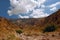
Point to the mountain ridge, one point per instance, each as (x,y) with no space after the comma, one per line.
(28,26)
(40,21)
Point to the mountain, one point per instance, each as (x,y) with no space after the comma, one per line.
(53,18)
(10,29)
(38,24)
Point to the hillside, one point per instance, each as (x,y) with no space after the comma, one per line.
(54,18)
(41,28)
(47,28)
(39,23)
(34,26)
(7,30)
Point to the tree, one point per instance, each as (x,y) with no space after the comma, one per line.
(50,28)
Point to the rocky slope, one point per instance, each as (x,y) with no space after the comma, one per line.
(39,23)
(7,30)
(31,29)
(54,18)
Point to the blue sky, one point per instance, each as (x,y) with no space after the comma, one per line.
(10,10)
(4,6)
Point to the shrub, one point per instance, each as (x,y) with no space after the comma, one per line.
(19,31)
(50,28)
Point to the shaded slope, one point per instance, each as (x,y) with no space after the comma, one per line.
(54,18)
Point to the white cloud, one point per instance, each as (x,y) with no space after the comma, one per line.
(39,13)
(23,16)
(53,9)
(55,4)
(23,6)
(43,6)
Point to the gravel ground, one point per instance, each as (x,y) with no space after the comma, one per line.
(49,36)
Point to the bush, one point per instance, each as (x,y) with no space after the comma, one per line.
(50,28)
(19,31)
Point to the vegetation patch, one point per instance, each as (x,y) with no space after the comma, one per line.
(19,31)
(50,28)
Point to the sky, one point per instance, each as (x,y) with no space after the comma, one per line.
(28,8)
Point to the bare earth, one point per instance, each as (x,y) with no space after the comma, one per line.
(42,36)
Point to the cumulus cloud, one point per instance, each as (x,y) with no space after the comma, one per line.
(24,6)
(39,13)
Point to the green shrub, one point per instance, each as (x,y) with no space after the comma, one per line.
(19,31)
(50,28)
